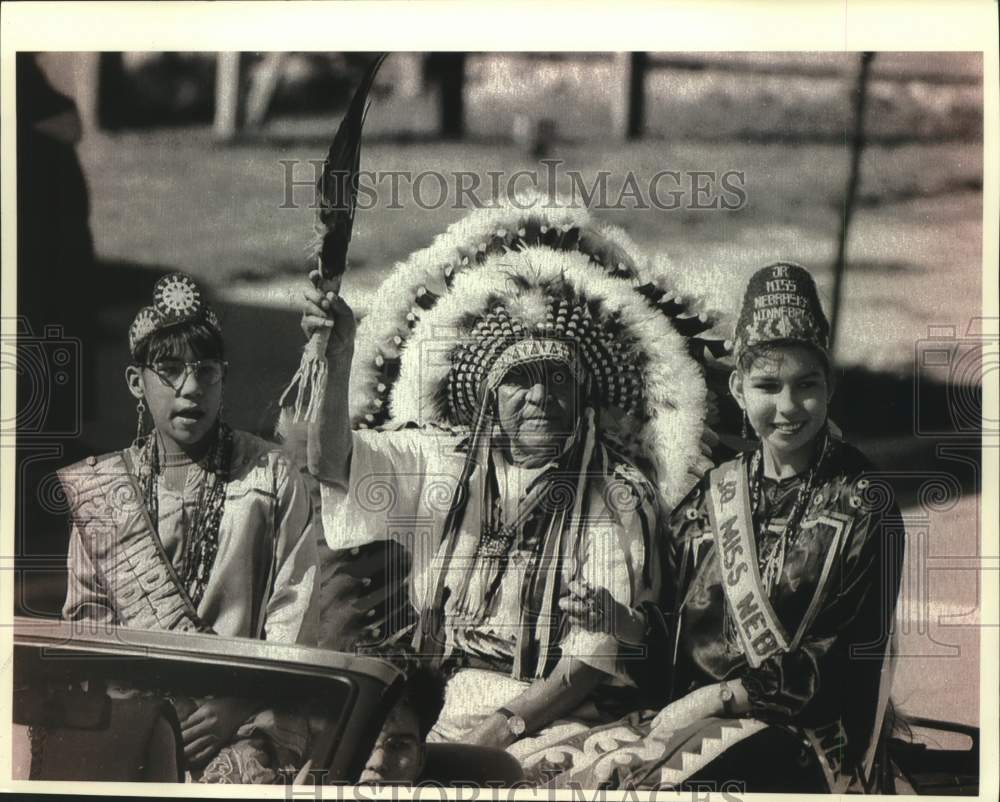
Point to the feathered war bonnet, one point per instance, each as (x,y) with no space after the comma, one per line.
(525,282)
(533,269)
(535,280)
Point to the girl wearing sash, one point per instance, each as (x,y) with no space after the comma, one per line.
(195,527)
(772,648)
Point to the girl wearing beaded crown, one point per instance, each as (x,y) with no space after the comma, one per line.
(195,527)
(771,646)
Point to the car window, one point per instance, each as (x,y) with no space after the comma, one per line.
(63,674)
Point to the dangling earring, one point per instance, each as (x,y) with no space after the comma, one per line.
(746,426)
(222,411)
(140,410)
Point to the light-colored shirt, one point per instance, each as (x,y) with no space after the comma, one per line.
(266,559)
(401,487)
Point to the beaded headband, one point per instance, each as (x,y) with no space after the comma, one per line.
(533,350)
(559,326)
(176,299)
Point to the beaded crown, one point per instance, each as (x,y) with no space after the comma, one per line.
(781,304)
(565,329)
(177,299)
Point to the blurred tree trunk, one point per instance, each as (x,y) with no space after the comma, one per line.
(853,180)
(227,96)
(628,99)
(409,74)
(264,84)
(88,90)
(447,70)
(113,93)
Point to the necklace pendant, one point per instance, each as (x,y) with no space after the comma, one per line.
(496,542)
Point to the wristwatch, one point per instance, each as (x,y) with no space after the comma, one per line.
(515,723)
(727,697)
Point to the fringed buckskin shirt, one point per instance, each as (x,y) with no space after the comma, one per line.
(402,483)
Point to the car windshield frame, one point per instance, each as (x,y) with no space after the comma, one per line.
(369,685)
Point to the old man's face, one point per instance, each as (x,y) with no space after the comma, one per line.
(537,407)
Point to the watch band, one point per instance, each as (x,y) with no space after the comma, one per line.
(727,697)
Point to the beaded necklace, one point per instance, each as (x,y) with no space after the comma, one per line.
(498,536)
(771,560)
(201,542)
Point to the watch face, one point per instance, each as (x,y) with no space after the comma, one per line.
(516,725)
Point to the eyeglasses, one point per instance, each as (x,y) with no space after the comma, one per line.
(173,373)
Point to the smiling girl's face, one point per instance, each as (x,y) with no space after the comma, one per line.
(785,393)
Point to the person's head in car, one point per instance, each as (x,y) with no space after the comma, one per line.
(399,753)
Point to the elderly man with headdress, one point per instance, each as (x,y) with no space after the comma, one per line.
(519,406)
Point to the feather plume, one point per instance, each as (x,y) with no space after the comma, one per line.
(337,187)
(337,190)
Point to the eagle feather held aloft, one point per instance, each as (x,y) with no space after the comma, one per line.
(337,186)
(337,191)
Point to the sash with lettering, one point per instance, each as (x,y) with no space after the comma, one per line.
(110,515)
(760,632)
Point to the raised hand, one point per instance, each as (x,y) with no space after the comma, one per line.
(324,310)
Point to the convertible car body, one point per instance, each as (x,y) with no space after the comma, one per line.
(69,724)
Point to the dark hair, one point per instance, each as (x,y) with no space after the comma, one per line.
(424,693)
(751,353)
(205,343)
(423,684)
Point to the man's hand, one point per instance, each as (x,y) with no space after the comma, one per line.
(212,725)
(324,310)
(328,433)
(595,609)
(492,732)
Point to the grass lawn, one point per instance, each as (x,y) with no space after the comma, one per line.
(171,198)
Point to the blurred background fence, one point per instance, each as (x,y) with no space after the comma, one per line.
(701,96)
